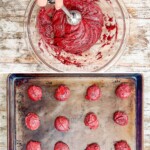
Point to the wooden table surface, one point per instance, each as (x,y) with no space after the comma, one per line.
(15,57)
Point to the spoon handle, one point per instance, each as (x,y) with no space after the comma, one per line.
(59,5)
(51,1)
(66,11)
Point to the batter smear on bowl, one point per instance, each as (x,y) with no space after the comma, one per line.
(70,44)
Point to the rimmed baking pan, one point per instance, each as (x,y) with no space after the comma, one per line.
(75,108)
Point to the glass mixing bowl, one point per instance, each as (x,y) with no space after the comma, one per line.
(99,57)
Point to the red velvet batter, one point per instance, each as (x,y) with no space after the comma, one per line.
(55,30)
(35,93)
(93,146)
(122,145)
(62,123)
(91,121)
(61,146)
(121,118)
(123,91)
(62,93)
(32,121)
(93,93)
(33,145)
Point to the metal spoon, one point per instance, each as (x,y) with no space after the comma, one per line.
(73,17)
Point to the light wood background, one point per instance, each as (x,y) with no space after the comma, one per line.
(15,57)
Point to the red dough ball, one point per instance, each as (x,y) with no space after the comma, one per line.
(120,118)
(123,91)
(62,123)
(61,146)
(33,145)
(93,146)
(32,121)
(122,145)
(93,93)
(91,121)
(35,93)
(62,93)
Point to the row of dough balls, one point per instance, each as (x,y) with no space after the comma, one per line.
(62,93)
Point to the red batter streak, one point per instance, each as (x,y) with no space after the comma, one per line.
(61,146)
(91,121)
(33,145)
(121,118)
(55,30)
(93,146)
(62,124)
(122,145)
(32,121)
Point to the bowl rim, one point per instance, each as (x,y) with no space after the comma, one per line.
(110,63)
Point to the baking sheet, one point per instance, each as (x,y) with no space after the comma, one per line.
(75,110)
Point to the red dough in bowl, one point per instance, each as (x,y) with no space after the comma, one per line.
(32,121)
(35,93)
(123,91)
(122,145)
(121,118)
(74,39)
(93,146)
(62,93)
(61,146)
(93,93)
(33,145)
(91,121)
(62,124)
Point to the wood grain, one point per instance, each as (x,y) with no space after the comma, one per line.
(15,56)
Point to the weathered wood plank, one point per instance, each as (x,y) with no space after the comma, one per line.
(15,56)
(3,113)
(137,52)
